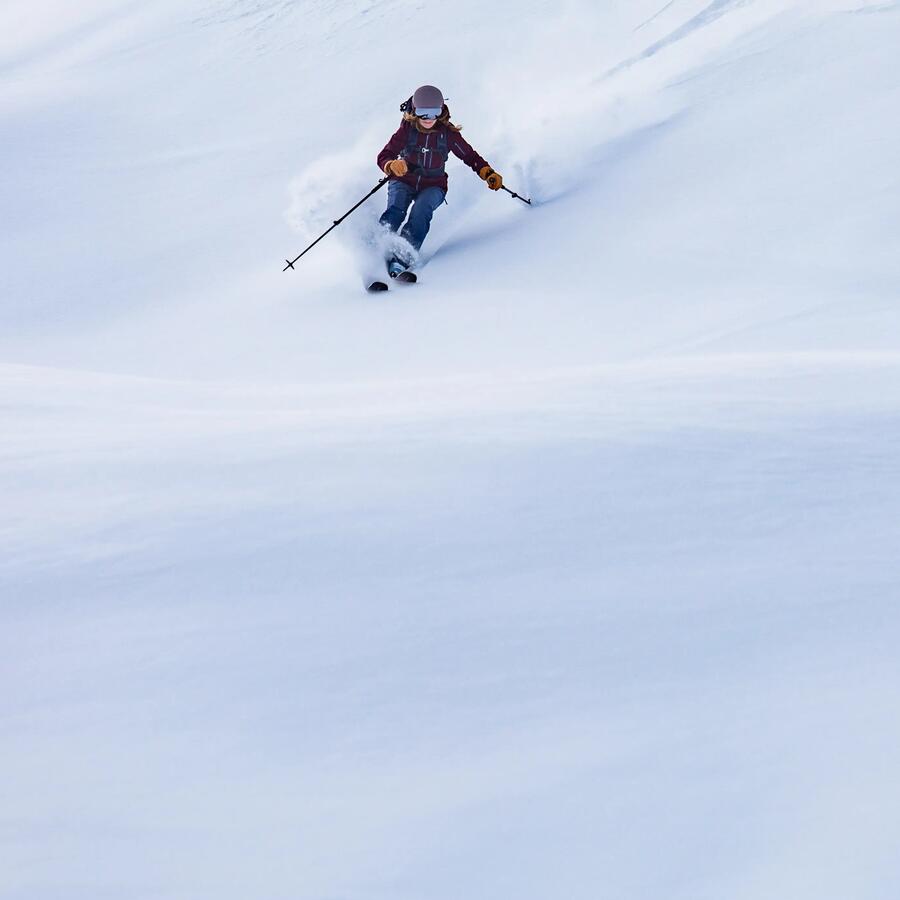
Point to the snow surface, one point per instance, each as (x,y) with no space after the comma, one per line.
(571,572)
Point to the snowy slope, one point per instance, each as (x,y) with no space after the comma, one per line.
(570,572)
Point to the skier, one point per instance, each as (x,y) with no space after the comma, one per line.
(414,160)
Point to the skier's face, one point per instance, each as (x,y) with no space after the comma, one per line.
(427,123)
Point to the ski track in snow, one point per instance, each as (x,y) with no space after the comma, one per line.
(655,15)
(713,11)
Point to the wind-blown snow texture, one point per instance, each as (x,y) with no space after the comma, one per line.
(570,573)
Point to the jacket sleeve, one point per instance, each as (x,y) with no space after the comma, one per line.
(394,146)
(460,147)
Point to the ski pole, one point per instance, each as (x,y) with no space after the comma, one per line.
(508,191)
(381,184)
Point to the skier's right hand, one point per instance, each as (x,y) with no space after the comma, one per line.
(396,167)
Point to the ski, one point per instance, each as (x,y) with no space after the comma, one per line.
(407,277)
(376,286)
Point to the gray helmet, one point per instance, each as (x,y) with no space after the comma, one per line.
(427,97)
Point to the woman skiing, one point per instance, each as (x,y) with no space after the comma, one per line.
(414,160)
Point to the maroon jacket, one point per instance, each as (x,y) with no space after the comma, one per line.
(422,152)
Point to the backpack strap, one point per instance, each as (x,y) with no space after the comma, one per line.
(412,139)
(442,148)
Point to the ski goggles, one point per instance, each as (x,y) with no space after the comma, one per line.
(428,112)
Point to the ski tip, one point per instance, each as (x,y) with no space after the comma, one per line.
(407,277)
(376,287)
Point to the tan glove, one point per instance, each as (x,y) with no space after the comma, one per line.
(396,167)
(494,179)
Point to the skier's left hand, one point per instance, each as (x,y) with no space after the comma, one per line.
(494,179)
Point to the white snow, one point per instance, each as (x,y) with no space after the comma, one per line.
(570,572)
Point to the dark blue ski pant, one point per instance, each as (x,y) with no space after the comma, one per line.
(424,203)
